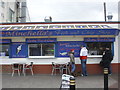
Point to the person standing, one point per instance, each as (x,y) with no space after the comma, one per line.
(83,58)
(72,61)
(107,58)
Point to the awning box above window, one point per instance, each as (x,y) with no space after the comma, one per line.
(102,39)
(40,40)
(5,41)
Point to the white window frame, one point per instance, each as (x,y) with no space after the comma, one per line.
(41,52)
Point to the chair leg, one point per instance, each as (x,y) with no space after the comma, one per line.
(62,71)
(24,72)
(52,71)
(68,70)
(18,72)
(12,73)
(55,71)
(32,71)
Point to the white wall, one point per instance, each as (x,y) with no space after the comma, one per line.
(116,50)
(46,61)
(4,11)
(119,47)
(70,38)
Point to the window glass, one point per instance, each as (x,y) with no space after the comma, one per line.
(67,26)
(41,27)
(28,27)
(54,26)
(43,49)
(11,15)
(47,49)
(81,26)
(4,50)
(15,28)
(2,4)
(4,28)
(34,50)
(97,48)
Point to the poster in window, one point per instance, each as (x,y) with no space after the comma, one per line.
(64,48)
(19,50)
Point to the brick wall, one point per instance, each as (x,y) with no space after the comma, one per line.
(47,69)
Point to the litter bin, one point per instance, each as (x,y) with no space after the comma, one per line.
(66,81)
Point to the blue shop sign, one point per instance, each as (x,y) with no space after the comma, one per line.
(102,39)
(2,41)
(64,47)
(40,40)
(19,50)
(59,32)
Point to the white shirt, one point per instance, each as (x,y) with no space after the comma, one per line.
(84,51)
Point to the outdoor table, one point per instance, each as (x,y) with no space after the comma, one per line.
(23,66)
(63,66)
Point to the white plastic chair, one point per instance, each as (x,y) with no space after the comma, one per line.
(66,67)
(30,67)
(15,67)
(55,67)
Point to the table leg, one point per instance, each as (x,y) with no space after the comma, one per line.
(24,69)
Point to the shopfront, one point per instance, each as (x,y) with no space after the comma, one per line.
(47,43)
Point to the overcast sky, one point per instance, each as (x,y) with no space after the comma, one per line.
(71,10)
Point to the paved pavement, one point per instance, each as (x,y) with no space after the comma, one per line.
(54,82)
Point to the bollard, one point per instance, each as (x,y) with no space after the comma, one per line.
(105,78)
(72,83)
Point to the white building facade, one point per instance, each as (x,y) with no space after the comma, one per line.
(12,11)
(44,43)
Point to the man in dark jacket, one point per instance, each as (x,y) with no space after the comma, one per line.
(107,58)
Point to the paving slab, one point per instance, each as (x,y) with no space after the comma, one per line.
(54,81)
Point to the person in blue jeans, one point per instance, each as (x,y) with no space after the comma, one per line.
(72,61)
(83,58)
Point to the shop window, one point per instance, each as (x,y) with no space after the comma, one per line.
(2,4)
(43,49)
(4,50)
(97,48)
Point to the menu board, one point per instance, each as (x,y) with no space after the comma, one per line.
(64,48)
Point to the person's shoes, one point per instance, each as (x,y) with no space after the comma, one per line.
(84,75)
(109,74)
(72,73)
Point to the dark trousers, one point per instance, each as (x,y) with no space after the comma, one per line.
(109,68)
